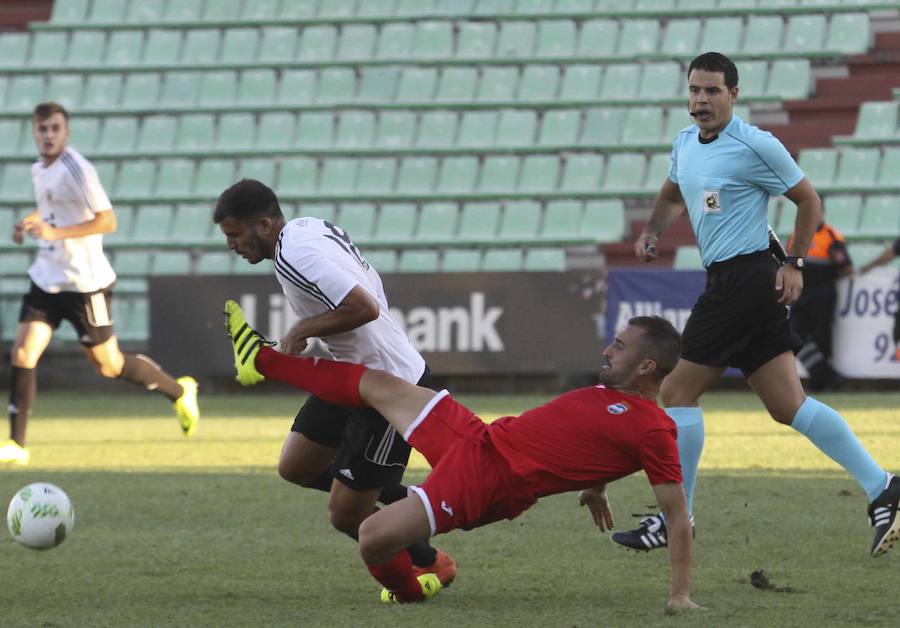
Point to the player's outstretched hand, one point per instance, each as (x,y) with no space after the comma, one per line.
(597,502)
(645,247)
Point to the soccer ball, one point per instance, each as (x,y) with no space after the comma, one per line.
(40,516)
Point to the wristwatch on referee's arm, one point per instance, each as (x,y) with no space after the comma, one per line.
(793,260)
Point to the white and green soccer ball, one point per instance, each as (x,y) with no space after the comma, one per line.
(40,516)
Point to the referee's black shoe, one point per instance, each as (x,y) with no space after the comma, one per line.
(649,535)
(883,517)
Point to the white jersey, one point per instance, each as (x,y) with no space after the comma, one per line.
(317,266)
(69,192)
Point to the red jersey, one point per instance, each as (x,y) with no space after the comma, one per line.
(587,437)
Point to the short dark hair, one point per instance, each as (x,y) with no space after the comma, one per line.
(661,342)
(247,200)
(46,109)
(716,62)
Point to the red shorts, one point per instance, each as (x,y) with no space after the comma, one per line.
(469,482)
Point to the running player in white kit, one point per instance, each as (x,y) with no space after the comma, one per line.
(71,279)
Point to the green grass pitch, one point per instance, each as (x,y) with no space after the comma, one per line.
(202,532)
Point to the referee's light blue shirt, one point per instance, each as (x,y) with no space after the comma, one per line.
(726,186)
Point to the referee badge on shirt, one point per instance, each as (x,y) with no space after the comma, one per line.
(617,408)
(711,202)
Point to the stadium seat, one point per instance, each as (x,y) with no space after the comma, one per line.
(236,131)
(183,11)
(317,43)
(604,221)
(86,48)
(163,46)
(11,130)
(395,222)
(848,33)
(382,261)
(358,220)
(201,47)
(418,261)
(69,11)
(520,221)
(660,81)
(193,224)
(102,91)
(108,10)
(295,87)
(517,128)
(433,40)
(517,39)
(722,34)
(786,220)
(638,37)
(502,260)
(278,43)
(395,41)
(106,171)
(499,173)
(556,38)
(478,222)
(124,225)
(417,85)
(540,259)
(146,11)
(843,213)
(437,222)
(625,171)
(498,84)
(214,263)
(643,125)
(657,171)
(338,176)
(175,177)
(378,84)
(477,128)
(461,260)
(297,175)
(65,89)
(298,9)
(763,34)
(681,37)
(621,82)
(357,42)
(276,130)
(355,129)
(456,85)
(602,126)
(261,169)
(141,89)
(395,129)
(240,45)
(417,174)
(789,79)
(316,129)
(540,173)
(14,49)
(890,166)
(24,91)
(180,89)
(598,38)
(119,134)
(819,165)
(876,120)
(196,132)
(561,220)
(560,127)
(48,48)
(218,88)
(376,175)
(257,87)
(458,174)
(325,211)
(539,83)
(14,262)
(16,183)
(337,9)
(687,258)
(857,166)
(583,173)
(336,85)
(157,134)
(171,263)
(125,48)
(581,83)
(153,223)
(880,217)
(136,178)
(805,33)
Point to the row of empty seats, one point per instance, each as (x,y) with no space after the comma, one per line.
(130,11)
(377,177)
(348,130)
(836,169)
(877,123)
(184,90)
(429,40)
(856,217)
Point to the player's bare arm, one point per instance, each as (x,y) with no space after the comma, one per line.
(357,309)
(38,228)
(597,501)
(668,207)
(670,497)
(789,280)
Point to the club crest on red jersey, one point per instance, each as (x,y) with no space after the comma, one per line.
(618,408)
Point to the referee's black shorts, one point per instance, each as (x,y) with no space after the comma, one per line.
(738,321)
(370,453)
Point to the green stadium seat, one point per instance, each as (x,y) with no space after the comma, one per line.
(236,131)
(358,220)
(752,78)
(621,82)
(502,260)
(376,175)
(196,132)
(660,81)
(378,84)
(130,263)
(681,37)
(214,263)
(395,222)
(625,171)
(520,221)
(602,126)
(583,173)
(574,6)
(499,173)
(124,47)
(773,210)
(337,9)
(382,261)
(877,120)
(295,87)
(14,262)
(763,34)
(819,165)
(106,171)
(146,12)
(213,176)
(260,10)
(176,176)
(657,171)
(678,119)
(437,222)
(789,79)
(540,173)
(494,7)
(843,212)
(157,134)
(458,174)
(540,259)
(722,34)
(119,134)
(461,261)
(108,10)
(86,48)
(805,33)
(299,9)
(476,40)
(13,49)
(561,220)
(102,91)
(124,225)
(171,263)
(69,11)
(48,48)
(201,46)
(433,40)
(316,129)
(183,11)
(417,85)
(581,83)
(456,85)
(417,261)
(257,87)
(395,40)
(240,45)
(276,130)
(687,258)
(339,176)
(479,222)
(325,211)
(598,38)
(737,4)
(16,183)
(417,174)
(395,129)
(221,10)
(638,37)
(141,89)
(163,46)
(848,33)
(643,125)
(136,178)
(180,88)
(297,175)
(786,220)
(65,89)
(477,128)
(654,5)
(517,39)
(604,221)
(517,128)
(890,166)
(261,169)
(25,90)
(539,82)
(357,42)
(10,130)
(317,43)
(217,88)
(857,166)
(560,127)
(278,43)
(880,217)
(193,224)
(153,223)
(336,85)
(556,38)
(498,84)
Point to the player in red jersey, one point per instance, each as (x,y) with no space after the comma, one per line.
(481,472)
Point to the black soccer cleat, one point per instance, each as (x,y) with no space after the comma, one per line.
(883,517)
(649,535)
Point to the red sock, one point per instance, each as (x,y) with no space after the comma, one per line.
(397,576)
(335,382)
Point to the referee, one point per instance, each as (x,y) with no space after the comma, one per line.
(72,280)
(723,172)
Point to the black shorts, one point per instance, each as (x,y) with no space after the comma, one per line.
(370,453)
(738,321)
(89,312)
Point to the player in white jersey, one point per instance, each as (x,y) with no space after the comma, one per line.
(71,279)
(351,452)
